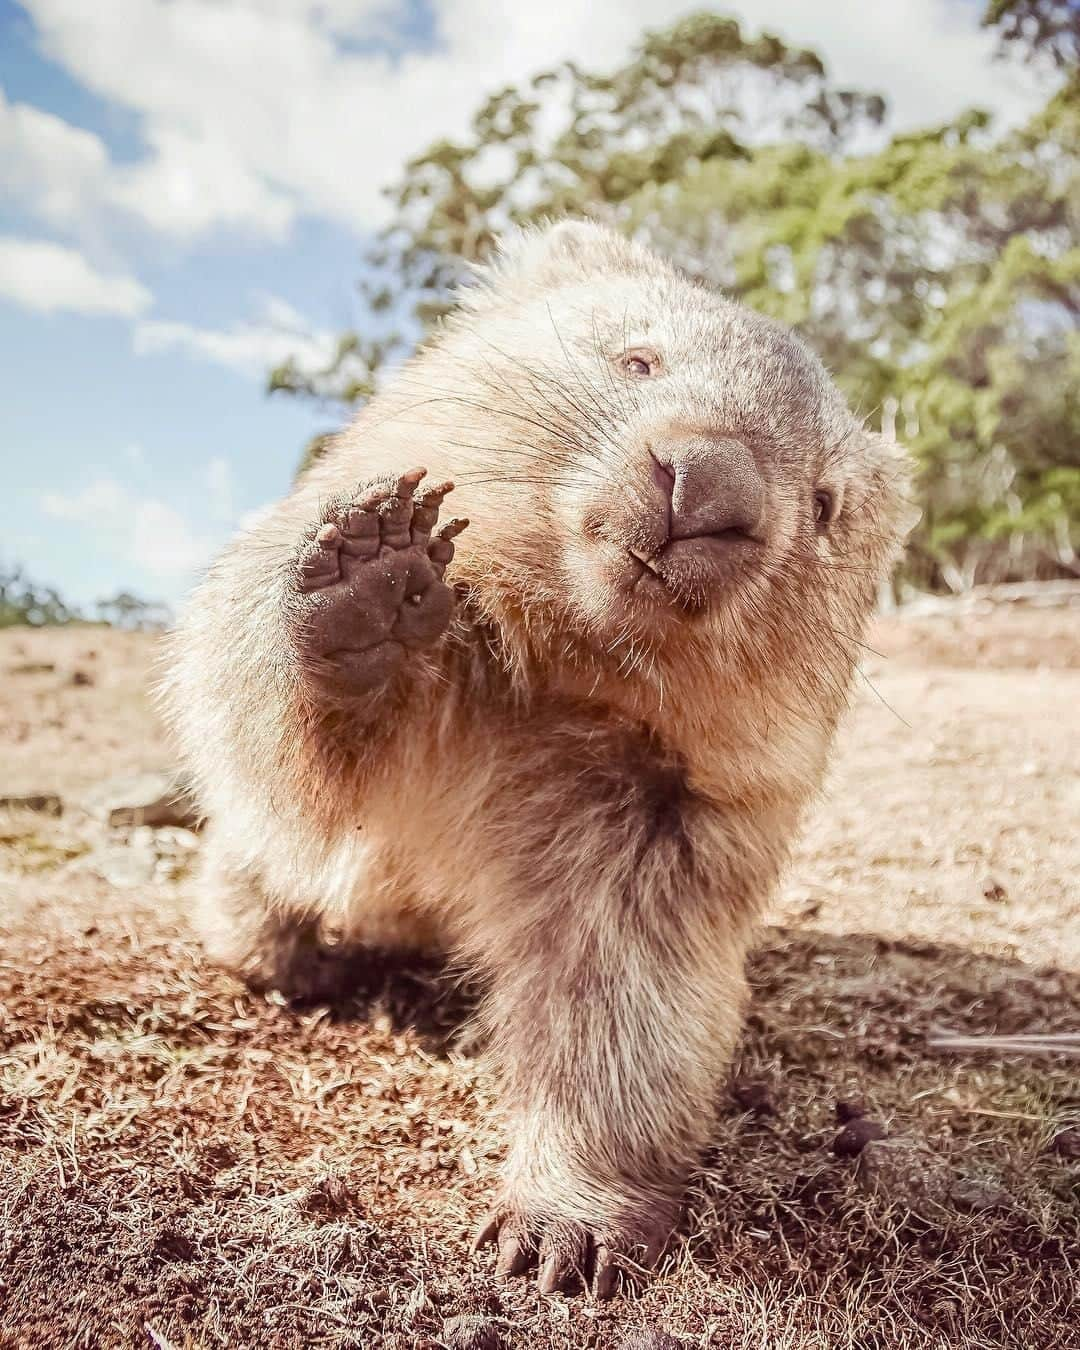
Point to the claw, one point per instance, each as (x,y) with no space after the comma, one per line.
(487,1232)
(426,511)
(329,536)
(452,528)
(433,496)
(515,1257)
(552,1276)
(606,1276)
(564,1252)
(406,484)
(568,1252)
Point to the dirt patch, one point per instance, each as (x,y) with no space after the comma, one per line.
(183,1164)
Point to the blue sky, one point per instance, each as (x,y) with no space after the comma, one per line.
(185,189)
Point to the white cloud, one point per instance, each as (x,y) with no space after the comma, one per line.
(255,110)
(46,164)
(183,186)
(252,347)
(188,185)
(145,531)
(49,278)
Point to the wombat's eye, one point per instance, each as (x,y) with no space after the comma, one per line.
(639,362)
(824,507)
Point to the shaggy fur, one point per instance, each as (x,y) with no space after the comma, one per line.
(586,787)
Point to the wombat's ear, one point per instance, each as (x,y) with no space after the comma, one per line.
(568,250)
(892,474)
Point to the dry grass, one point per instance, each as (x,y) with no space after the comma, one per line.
(185,1165)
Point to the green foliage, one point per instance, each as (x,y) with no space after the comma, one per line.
(1040,28)
(125,610)
(937,273)
(23,601)
(27,602)
(573,141)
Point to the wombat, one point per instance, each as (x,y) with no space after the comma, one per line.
(576,759)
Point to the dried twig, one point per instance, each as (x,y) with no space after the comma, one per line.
(1036,1043)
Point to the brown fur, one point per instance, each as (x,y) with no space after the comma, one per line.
(586,792)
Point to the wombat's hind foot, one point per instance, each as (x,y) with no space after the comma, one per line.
(572,1255)
(269,947)
(370,582)
(305,968)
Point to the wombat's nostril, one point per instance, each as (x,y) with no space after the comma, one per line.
(663,476)
(718,490)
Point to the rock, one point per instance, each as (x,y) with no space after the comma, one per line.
(45,803)
(127,865)
(752,1096)
(172,839)
(112,794)
(471,1333)
(82,677)
(994,890)
(174,806)
(904,1173)
(175,850)
(153,799)
(32,668)
(855,1136)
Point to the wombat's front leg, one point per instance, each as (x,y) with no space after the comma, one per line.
(369,586)
(614,1023)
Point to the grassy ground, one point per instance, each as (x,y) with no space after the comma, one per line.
(183,1164)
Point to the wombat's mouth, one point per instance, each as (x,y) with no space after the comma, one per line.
(690,572)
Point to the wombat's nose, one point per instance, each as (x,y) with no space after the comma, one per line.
(715,488)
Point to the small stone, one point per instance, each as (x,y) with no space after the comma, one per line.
(172,1246)
(1066,1143)
(82,678)
(152,799)
(994,890)
(850,1108)
(174,839)
(44,803)
(855,1136)
(753,1096)
(329,1196)
(471,1333)
(126,866)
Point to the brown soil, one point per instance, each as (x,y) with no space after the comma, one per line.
(183,1164)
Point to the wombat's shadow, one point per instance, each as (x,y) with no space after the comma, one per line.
(424,994)
(902,990)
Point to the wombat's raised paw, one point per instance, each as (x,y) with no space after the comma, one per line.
(572,1255)
(370,578)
